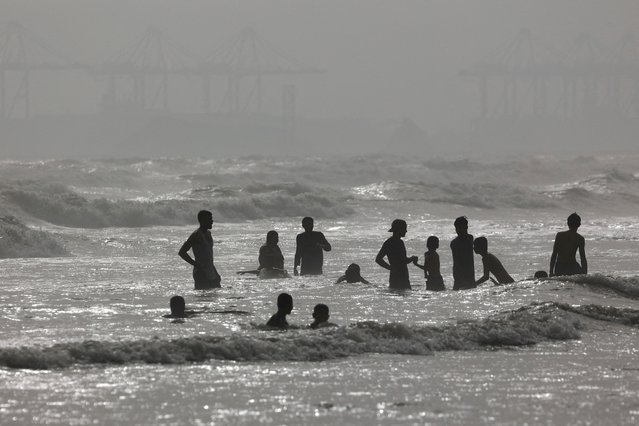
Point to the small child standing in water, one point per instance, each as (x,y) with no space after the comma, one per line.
(434,280)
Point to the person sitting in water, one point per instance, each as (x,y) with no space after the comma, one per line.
(352,275)
(284,307)
(271,260)
(395,251)
(321,316)
(178,308)
(564,251)
(492,265)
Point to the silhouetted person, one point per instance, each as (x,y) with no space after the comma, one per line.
(492,265)
(284,307)
(395,251)
(563,260)
(434,280)
(352,275)
(321,316)
(541,274)
(178,308)
(310,249)
(205,274)
(271,260)
(463,261)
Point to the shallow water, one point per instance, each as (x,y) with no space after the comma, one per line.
(84,340)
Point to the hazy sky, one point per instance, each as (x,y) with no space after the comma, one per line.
(384,59)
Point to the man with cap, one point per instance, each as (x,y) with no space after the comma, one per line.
(395,251)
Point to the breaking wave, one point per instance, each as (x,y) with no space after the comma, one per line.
(526,326)
(59,205)
(627,286)
(18,240)
(482,195)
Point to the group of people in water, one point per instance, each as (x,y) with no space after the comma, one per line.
(311,245)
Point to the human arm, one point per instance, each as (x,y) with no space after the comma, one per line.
(411,259)
(363,280)
(298,255)
(553,257)
(582,255)
(423,267)
(323,243)
(184,251)
(380,258)
(486,275)
(341,279)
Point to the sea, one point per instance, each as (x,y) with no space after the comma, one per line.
(89,263)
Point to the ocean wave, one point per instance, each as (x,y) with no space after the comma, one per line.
(482,195)
(59,205)
(523,327)
(18,240)
(627,286)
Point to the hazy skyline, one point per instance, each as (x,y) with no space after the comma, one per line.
(384,60)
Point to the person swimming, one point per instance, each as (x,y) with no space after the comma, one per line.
(492,265)
(178,308)
(352,275)
(321,316)
(434,280)
(284,308)
(564,251)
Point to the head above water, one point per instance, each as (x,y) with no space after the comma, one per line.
(461,225)
(399,226)
(480,245)
(321,313)
(177,306)
(574,221)
(353,271)
(541,274)
(285,303)
(272,238)
(432,243)
(307,223)
(205,218)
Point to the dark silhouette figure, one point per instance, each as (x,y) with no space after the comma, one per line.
(284,307)
(205,274)
(492,265)
(395,251)
(562,260)
(463,262)
(310,249)
(352,275)
(541,274)
(434,280)
(271,260)
(321,316)
(178,308)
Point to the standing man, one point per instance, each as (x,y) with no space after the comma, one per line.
(310,249)
(201,242)
(395,251)
(463,261)
(563,259)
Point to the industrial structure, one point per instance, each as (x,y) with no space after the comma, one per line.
(139,76)
(528,78)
